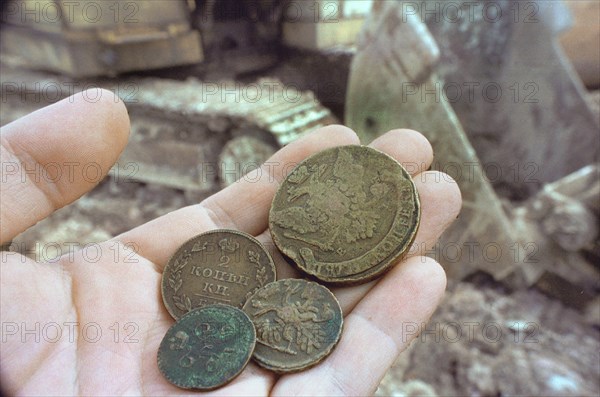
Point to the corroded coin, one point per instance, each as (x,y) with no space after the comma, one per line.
(220,266)
(207,347)
(298,323)
(346,214)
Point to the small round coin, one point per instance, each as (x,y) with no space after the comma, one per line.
(298,323)
(220,266)
(345,215)
(207,347)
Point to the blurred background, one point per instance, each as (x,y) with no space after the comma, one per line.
(506,91)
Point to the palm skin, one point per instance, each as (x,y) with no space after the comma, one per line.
(118,291)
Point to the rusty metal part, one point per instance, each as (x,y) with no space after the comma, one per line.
(522,105)
(375,105)
(397,80)
(563,220)
(89,38)
(568,209)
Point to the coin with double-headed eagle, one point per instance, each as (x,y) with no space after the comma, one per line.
(345,215)
(298,323)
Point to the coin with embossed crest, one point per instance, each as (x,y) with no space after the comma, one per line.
(207,347)
(220,266)
(298,323)
(345,215)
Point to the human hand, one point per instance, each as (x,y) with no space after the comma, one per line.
(123,286)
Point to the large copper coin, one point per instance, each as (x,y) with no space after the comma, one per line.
(345,215)
(220,266)
(298,323)
(207,347)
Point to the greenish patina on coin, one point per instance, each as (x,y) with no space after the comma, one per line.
(298,323)
(207,347)
(345,215)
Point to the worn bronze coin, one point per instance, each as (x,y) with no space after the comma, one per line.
(298,323)
(345,215)
(207,347)
(220,266)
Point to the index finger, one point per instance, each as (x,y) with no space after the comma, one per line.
(46,156)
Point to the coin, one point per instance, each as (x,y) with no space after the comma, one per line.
(207,347)
(298,323)
(220,266)
(345,215)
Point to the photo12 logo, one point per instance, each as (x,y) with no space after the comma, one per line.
(53,91)
(472,11)
(52,252)
(470,331)
(68,171)
(72,12)
(68,331)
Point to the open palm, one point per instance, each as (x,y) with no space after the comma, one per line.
(95,320)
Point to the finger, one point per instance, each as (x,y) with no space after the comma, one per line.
(56,154)
(375,333)
(438,193)
(440,204)
(410,148)
(243,206)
